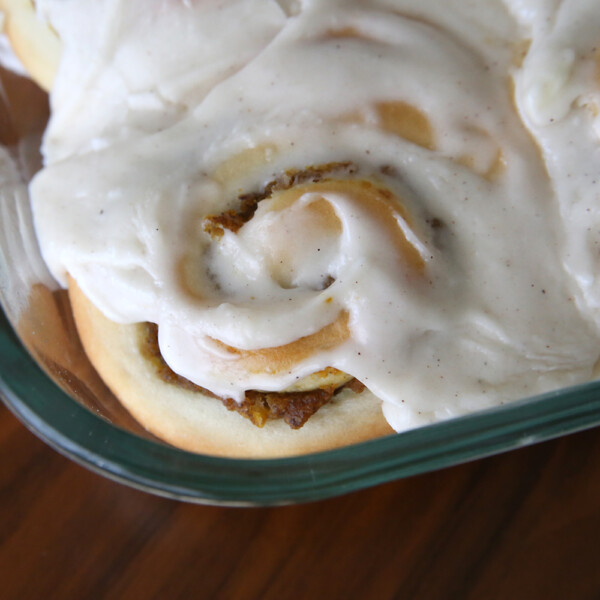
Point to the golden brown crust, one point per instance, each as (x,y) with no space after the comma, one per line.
(200,423)
(33,40)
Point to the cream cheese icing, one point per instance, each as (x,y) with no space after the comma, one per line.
(458,251)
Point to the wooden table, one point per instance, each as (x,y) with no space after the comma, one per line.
(522,525)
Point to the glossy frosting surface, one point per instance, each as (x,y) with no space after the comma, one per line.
(446,257)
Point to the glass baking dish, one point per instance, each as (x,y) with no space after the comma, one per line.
(47,382)
(95,442)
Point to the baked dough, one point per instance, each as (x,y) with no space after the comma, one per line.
(200,423)
(32,39)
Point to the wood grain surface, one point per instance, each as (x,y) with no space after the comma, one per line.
(521,525)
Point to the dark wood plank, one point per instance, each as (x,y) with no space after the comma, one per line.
(522,525)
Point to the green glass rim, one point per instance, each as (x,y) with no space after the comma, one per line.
(154,467)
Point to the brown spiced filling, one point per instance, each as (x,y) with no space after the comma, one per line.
(295,408)
(233,220)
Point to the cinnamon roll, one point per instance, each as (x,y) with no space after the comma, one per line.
(269,235)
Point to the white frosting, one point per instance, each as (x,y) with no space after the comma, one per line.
(152,101)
